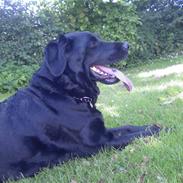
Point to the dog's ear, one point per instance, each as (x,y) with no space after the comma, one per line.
(54,56)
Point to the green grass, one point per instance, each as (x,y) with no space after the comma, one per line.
(157,98)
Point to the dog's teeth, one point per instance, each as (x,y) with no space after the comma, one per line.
(99,71)
(94,69)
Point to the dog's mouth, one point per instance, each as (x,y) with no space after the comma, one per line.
(108,75)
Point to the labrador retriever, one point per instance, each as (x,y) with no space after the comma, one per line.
(55,119)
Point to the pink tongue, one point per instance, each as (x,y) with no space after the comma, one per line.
(118,74)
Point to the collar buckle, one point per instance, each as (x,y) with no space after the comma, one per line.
(86,100)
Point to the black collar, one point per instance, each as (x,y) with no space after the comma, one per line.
(87,100)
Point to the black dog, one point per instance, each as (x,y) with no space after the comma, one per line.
(55,119)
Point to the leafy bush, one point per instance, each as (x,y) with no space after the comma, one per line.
(23,35)
(161,29)
(14,76)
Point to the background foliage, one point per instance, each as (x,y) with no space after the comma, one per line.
(161,32)
(14,76)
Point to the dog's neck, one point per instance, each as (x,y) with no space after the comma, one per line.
(76,87)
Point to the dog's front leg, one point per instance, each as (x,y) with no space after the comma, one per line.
(122,136)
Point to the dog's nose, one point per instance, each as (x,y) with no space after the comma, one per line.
(125,45)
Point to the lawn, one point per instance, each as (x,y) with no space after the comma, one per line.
(156,98)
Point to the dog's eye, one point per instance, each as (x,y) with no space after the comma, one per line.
(69,45)
(93,43)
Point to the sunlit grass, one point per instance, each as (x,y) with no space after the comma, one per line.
(160,86)
(151,160)
(174,69)
(3,96)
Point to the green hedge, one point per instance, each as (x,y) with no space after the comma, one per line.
(14,76)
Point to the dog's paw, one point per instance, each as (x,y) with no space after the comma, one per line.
(156,128)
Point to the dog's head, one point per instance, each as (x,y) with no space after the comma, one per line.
(84,56)
(77,60)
